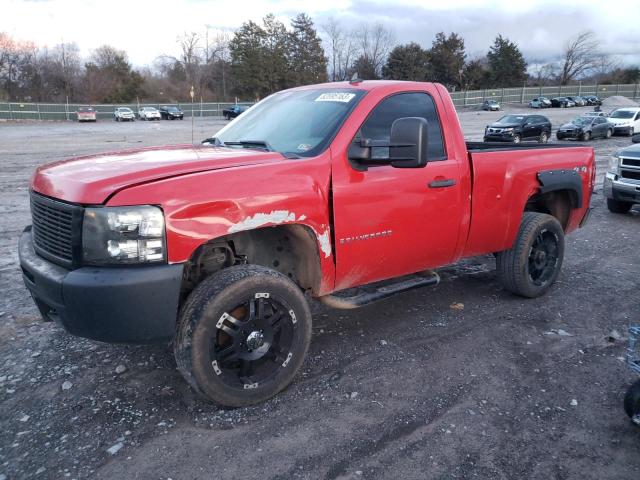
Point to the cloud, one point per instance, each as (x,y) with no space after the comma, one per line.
(147,29)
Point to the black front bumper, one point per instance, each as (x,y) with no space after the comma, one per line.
(498,137)
(116,305)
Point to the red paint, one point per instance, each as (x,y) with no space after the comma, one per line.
(386,221)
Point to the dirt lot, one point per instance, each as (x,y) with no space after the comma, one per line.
(409,388)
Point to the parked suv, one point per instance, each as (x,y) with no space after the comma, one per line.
(515,128)
(171,113)
(622,181)
(124,114)
(148,113)
(626,120)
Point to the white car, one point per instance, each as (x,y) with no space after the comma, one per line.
(148,113)
(124,114)
(626,120)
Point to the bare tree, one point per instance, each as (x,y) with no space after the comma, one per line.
(375,42)
(580,56)
(341,48)
(543,73)
(191,57)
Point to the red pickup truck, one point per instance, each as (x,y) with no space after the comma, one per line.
(310,192)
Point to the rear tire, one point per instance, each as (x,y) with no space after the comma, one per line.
(617,206)
(242,335)
(544,137)
(533,264)
(632,402)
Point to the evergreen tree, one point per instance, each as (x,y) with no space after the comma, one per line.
(506,63)
(307,61)
(407,62)
(447,57)
(247,61)
(275,49)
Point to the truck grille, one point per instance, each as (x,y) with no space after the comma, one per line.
(631,174)
(56,230)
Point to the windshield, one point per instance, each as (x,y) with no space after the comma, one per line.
(623,114)
(302,122)
(509,119)
(125,110)
(171,109)
(581,121)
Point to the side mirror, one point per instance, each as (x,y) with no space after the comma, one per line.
(409,141)
(636,138)
(407,147)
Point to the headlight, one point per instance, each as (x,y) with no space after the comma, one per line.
(614,165)
(507,130)
(115,235)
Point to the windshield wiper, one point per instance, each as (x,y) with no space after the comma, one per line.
(212,141)
(262,144)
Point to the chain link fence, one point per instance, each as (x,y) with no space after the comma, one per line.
(64,111)
(525,95)
(467,98)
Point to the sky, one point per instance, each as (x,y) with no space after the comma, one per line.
(146,29)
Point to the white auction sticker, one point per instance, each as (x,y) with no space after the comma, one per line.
(336,97)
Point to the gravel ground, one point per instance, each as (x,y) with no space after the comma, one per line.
(460,381)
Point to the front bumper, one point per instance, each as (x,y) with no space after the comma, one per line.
(569,134)
(498,137)
(626,130)
(621,191)
(110,304)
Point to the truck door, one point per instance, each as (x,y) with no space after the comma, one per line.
(392,221)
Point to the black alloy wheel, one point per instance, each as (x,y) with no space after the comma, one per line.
(543,258)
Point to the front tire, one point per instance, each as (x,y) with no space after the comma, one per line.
(632,402)
(533,264)
(609,133)
(517,139)
(586,136)
(617,206)
(242,335)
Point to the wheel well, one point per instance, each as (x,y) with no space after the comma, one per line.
(290,249)
(556,203)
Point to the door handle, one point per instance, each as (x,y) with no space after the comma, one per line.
(449,182)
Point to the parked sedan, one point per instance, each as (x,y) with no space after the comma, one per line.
(148,113)
(626,120)
(562,102)
(592,100)
(234,111)
(540,102)
(585,128)
(124,114)
(86,114)
(490,106)
(579,101)
(516,128)
(171,113)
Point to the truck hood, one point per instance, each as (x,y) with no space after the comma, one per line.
(93,179)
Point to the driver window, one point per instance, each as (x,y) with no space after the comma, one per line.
(378,124)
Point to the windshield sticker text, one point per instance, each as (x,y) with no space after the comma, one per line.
(336,97)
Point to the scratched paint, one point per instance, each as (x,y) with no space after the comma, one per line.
(276,217)
(325,243)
